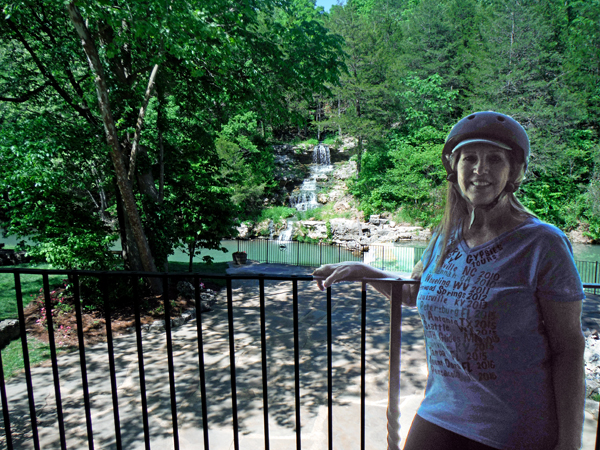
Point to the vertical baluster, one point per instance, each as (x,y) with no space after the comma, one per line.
(236,442)
(329,371)
(82,362)
(201,359)
(53,357)
(363,363)
(5,414)
(140,351)
(167,303)
(111,360)
(296,363)
(263,348)
(393,410)
(26,363)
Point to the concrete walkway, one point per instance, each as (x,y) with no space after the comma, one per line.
(280,345)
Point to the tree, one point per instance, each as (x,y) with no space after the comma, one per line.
(94,64)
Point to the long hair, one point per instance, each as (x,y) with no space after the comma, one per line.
(449,231)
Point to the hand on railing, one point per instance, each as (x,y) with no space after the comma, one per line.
(383,282)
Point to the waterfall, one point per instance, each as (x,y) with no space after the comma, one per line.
(321,155)
(286,235)
(305,198)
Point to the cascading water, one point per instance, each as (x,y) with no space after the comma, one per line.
(286,235)
(305,198)
(321,155)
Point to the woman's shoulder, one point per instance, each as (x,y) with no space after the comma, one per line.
(540,231)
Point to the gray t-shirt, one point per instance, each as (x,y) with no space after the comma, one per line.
(487,350)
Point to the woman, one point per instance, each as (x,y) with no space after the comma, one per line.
(500,302)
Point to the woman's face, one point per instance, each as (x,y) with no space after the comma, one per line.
(483,171)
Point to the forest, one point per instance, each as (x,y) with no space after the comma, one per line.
(154,122)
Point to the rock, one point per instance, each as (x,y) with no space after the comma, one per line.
(342,206)
(208,297)
(591,406)
(348,143)
(345,171)
(592,387)
(322,198)
(577,236)
(177,322)
(243,231)
(9,257)
(9,330)
(335,195)
(185,289)
(157,326)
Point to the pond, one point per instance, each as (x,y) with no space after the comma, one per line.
(293,252)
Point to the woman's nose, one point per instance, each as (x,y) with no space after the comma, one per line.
(481,167)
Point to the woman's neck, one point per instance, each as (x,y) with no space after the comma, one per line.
(488,225)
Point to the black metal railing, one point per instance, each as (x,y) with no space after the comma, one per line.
(14,409)
(20,430)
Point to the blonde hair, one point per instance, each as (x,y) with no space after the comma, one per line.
(457,211)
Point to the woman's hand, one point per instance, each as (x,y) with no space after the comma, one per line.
(329,274)
(356,271)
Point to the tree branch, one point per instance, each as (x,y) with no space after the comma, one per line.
(86,114)
(27,96)
(43,23)
(140,122)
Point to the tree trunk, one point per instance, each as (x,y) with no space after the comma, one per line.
(117,157)
(359,155)
(192,249)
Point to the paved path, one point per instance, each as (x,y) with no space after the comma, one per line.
(313,360)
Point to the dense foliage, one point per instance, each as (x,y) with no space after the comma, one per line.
(416,67)
(152,122)
(145,120)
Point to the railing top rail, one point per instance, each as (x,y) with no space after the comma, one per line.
(99,273)
(208,275)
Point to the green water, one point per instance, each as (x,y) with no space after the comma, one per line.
(399,257)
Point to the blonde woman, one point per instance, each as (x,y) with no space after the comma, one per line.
(500,302)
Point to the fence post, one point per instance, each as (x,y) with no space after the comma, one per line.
(298,260)
(596,276)
(320,254)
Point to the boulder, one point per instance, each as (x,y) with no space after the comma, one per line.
(345,171)
(243,231)
(342,206)
(9,330)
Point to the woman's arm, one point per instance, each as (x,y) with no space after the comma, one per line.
(356,271)
(562,321)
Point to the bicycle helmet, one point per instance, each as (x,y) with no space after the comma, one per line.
(487,127)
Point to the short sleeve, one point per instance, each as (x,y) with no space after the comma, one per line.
(558,278)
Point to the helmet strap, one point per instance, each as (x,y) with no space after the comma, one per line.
(509,188)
